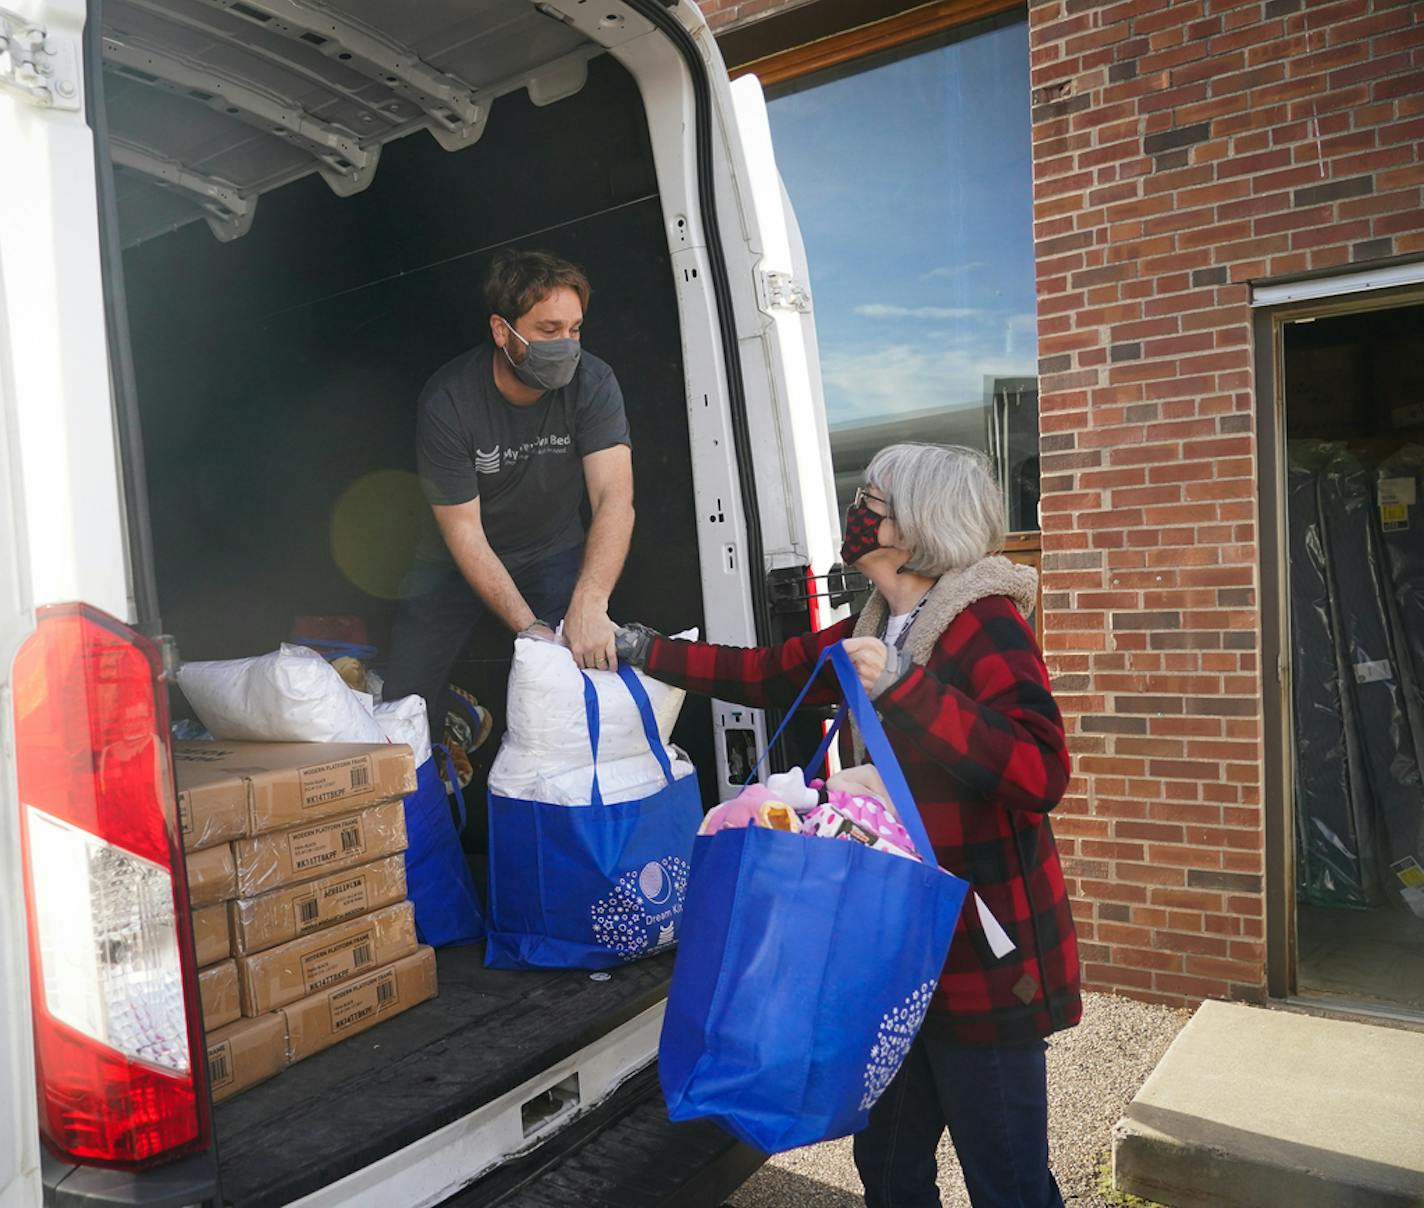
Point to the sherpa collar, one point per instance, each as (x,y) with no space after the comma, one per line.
(955,591)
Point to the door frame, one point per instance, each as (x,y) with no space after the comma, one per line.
(1269,324)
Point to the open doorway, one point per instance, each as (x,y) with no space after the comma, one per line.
(1352,384)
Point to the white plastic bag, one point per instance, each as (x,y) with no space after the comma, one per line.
(290,695)
(405,720)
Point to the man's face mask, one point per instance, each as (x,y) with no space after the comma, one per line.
(547,364)
(862,528)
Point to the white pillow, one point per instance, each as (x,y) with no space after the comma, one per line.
(290,695)
(546,715)
(405,720)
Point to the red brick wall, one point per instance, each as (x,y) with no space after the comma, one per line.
(1182,150)
(722,13)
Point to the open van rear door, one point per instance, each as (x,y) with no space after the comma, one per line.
(785,412)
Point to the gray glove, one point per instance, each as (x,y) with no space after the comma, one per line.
(633,643)
(897,666)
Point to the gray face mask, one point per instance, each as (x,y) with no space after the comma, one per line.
(547,364)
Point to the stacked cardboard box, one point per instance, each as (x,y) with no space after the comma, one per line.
(297,881)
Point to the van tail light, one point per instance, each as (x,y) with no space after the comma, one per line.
(112,981)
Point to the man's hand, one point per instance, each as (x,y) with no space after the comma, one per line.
(540,633)
(590,635)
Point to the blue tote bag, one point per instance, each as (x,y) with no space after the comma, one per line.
(438,880)
(591,887)
(805,967)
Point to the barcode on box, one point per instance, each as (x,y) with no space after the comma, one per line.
(308,910)
(335,781)
(220,1065)
(336,962)
(374,993)
(331,841)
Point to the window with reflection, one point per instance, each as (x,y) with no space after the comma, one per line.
(910,174)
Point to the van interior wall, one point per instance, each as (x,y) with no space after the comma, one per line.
(278,374)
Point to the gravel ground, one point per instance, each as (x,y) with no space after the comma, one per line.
(1093,1072)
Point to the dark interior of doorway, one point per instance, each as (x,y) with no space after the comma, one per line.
(1354,393)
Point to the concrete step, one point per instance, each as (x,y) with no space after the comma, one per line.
(1256,1108)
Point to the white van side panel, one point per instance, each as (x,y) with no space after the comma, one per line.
(53,286)
(19,1127)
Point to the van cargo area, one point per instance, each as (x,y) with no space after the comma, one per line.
(285,288)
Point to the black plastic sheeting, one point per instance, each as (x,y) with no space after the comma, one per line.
(1399,491)
(1356,542)
(1331,804)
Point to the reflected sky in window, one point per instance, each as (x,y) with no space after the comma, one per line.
(911,181)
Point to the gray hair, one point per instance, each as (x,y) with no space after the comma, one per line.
(946,504)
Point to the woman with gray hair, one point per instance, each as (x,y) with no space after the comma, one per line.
(945,651)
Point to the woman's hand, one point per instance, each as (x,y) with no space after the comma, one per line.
(870,656)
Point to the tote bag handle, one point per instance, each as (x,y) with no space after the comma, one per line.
(876,744)
(645,713)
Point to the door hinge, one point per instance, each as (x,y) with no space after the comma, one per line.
(781,291)
(42,67)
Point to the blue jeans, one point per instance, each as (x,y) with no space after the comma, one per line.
(995,1104)
(439,611)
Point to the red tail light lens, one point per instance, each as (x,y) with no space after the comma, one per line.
(117,1021)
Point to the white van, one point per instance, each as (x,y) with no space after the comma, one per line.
(235,238)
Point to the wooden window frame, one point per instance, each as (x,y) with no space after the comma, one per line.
(887,34)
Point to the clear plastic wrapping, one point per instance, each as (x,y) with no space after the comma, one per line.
(316,962)
(217,987)
(212,876)
(296,910)
(303,853)
(210,934)
(1399,492)
(245,1053)
(322,1020)
(1330,795)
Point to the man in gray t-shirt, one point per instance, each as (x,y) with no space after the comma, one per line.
(510,437)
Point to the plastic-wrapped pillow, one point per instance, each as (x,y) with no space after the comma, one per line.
(405,720)
(546,755)
(290,695)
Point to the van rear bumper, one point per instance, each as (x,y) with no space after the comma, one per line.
(188,1181)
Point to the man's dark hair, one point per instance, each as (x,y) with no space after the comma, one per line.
(518,281)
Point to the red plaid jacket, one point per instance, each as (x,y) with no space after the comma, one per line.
(980,740)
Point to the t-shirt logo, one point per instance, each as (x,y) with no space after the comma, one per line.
(487,463)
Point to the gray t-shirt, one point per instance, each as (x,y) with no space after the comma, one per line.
(524,463)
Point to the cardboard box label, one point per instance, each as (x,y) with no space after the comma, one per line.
(336,962)
(317,846)
(220,1067)
(351,1004)
(332,903)
(333,781)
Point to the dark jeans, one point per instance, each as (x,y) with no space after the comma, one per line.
(995,1103)
(439,611)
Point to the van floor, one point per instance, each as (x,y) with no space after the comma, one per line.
(486,1033)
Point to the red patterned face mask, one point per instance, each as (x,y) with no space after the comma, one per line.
(862,532)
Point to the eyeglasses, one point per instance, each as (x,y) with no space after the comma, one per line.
(863,496)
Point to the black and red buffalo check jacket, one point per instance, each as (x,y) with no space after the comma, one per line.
(980,740)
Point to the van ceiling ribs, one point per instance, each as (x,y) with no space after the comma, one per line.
(343,163)
(454,117)
(227,212)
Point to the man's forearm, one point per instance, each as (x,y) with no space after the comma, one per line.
(609,535)
(486,574)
